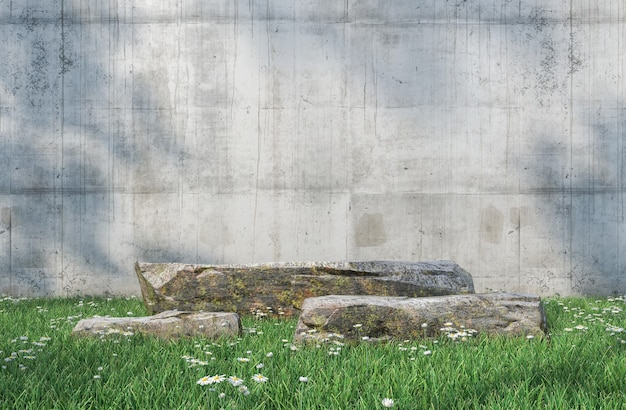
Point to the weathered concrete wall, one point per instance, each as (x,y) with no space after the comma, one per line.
(489,132)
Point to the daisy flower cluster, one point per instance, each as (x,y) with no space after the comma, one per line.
(91,303)
(11,299)
(193,362)
(61,323)
(24,350)
(334,341)
(263,312)
(289,345)
(233,381)
(461,333)
(606,317)
(115,332)
(252,331)
(413,351)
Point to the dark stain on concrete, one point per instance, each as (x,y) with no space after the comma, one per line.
(370,231)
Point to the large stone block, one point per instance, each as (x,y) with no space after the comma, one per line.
(284,286)
(383,318)
(168,324)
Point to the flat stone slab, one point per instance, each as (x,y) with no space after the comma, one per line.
(284,286)
(383,318)
(168,324)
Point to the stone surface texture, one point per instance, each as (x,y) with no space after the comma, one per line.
(284,286)
(384,318)
(168,324)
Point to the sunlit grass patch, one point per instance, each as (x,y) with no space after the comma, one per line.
(581,364)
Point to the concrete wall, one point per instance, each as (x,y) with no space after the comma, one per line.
(489,132)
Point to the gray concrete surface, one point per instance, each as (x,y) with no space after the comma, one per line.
(488,132)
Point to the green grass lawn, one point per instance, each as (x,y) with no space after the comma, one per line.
(581,365)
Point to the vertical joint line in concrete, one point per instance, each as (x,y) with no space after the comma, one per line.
(620,161)
(236,42)
(10,240)
(619,119)
(569,260)
(111,151)
(62,131)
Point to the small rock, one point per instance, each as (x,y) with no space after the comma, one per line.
(168,324)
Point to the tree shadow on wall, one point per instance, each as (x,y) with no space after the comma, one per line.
(572,234)
(571,174)
(80,135)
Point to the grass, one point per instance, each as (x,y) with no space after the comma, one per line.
(582,365)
